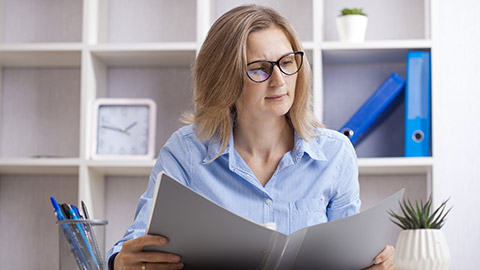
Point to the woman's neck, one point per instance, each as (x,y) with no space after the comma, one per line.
(264,139)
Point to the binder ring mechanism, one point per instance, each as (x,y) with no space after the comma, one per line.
(347,132)
(418,136)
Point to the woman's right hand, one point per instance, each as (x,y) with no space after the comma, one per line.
(132,255)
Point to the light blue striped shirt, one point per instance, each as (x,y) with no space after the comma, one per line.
(315,182)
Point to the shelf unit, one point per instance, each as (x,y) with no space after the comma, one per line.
(56,63)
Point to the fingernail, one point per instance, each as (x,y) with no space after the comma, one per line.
(180,266)
(378,260)
(174,258)
(163,240)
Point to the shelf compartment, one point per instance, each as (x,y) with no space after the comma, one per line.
(350,82)
(32,21)
(170,87)
(399,165)
(119,167)
(66,166)
(40,112)
(41,55)
(412,15)
(124,21)
(27,217)
(298,13)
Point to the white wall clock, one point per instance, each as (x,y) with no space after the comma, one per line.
(124,128)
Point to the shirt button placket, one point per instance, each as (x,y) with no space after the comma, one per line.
(268,210)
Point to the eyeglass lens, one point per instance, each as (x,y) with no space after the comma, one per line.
(289,64)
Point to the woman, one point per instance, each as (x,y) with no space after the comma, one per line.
(253,144)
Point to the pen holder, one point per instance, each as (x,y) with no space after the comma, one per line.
(81,244)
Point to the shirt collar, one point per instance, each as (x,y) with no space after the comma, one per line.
(300,147)
(312,148)
(213,147)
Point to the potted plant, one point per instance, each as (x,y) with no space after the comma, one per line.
(352,25)
(421,244)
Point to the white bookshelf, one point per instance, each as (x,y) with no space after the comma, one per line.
(395,165)
(125,168)
(18,166)
(76,51)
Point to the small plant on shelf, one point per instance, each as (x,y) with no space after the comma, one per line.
(353,11)
(421,245)
(420,216)
(352,25)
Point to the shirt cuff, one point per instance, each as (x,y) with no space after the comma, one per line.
(111,261)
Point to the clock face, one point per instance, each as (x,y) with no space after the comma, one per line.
(123,129)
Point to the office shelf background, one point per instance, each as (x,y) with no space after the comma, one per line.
(58,56)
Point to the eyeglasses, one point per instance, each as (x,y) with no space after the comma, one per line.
(289,64)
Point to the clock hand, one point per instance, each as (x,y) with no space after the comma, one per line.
(129,127)
(112,128)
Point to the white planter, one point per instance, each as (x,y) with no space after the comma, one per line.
(424,249)
(352,28)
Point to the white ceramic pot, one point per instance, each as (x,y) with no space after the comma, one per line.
(352,28)
(424,249)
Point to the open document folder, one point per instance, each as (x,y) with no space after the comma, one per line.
(208,236)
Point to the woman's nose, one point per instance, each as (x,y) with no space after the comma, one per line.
(276,79)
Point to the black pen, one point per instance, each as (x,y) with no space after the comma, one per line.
(65,210)
(85,212)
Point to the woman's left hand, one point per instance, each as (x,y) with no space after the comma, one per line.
(384,260)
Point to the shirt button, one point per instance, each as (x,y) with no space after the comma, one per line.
(268,201)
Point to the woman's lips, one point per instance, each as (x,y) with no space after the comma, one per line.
(276,97)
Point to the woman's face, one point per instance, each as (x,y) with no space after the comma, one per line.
(273,97)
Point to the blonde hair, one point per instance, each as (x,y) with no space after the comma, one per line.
(219,74)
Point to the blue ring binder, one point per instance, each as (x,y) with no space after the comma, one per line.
(377,107)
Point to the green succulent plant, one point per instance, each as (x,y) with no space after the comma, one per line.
(420,216)
(353,11)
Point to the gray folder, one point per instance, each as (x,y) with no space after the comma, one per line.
(208,236)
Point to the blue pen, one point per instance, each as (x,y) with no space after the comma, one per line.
(74,216)
(76,211)
(74,249)
(70,234)
(90,232)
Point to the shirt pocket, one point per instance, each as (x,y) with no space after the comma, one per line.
(306,212)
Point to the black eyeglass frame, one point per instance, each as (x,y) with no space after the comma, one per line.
(277,63)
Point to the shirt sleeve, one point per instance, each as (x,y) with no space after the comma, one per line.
(346,194)
(174,160)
